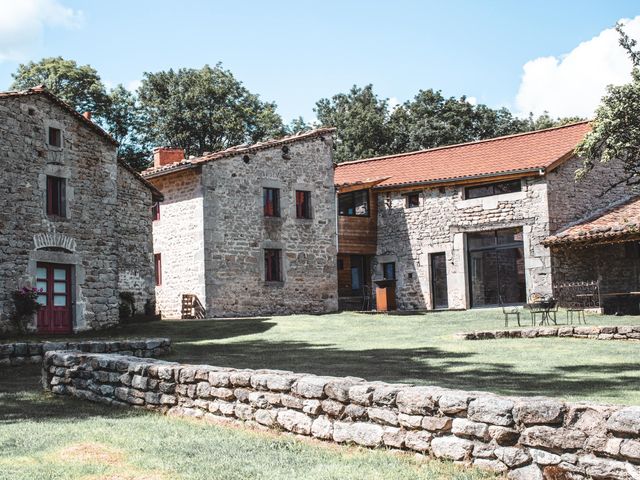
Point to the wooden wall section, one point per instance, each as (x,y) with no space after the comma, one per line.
(358,235)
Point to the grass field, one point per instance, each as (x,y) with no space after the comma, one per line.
(46,437)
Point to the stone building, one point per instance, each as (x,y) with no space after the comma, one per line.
(464,226)
(250,230)
(75,222)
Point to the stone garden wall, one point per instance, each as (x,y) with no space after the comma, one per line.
(20,353)
(530,438)
(593,332)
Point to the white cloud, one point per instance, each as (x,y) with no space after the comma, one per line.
(573,84)
(22,24)
(472,100)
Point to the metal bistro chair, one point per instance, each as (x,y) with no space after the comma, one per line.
(536,306)
(509,310)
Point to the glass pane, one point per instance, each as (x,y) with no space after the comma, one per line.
(42,300)
(507,187)
(59,287)
(41,285)
(481,191)
(41,272)
(484,278)
(59,300)
(509,235)
(345,204)
(59,274)
(511,275)
(439,280)
(481,239)
(361,200)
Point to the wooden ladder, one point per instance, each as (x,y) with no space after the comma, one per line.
(191,307)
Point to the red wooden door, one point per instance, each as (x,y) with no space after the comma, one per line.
(55,282)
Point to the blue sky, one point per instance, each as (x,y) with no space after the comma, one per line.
(294,53)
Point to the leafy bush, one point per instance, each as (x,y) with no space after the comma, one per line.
(25,305)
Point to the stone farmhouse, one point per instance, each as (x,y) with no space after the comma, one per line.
(250,230)
(483,223)
(75,222)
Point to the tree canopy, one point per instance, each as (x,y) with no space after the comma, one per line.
(203,110)
(368,127)
(615,130)
(78,85)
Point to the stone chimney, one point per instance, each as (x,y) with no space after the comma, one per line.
(166,155)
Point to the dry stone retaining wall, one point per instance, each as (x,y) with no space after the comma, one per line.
(20,353)
(622,332)
(528,438)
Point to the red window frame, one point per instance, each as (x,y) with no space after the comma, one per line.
(271,202)
(56,193)
(155,211)
(303,204)
(157,262)
(272,265)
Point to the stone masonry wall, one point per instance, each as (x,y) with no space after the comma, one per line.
(88,162)
(19,353)
(622,332)
(178,237)
(237,232)
(409,235)
(135,239)
(527,437)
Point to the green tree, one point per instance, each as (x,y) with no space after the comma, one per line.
(615,130)
(123,121)
(362,122)
(203,110)
(298,125)
(78,85)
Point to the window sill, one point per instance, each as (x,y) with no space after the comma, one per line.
(304,220)
(273,283)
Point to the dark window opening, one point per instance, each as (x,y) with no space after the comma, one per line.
(340,264)
(413,200)
(155,211)
(498,188)
(354,204)
(272,265)
(271,202)
(303,204)
(55,137)
(389,271)
(157,261)
(56,193)
(632,250)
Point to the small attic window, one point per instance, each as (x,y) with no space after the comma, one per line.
(55,137)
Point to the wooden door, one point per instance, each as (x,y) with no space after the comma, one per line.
(55,282)
(439,290)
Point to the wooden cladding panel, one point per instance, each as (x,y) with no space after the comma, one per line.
(358,235)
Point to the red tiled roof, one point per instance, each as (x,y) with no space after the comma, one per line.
(41,90)
(235,151)
(617,223)
(520,153)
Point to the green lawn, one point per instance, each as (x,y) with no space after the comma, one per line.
(46,437)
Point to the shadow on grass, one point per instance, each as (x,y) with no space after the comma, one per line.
(427,365)
(22,397)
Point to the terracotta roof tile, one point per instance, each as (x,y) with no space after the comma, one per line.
(525,152)
(235,151)
(618,222)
